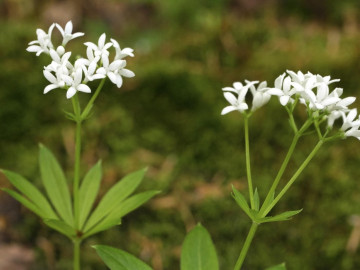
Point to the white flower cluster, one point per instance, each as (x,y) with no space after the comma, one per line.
(309,89)
(61,73)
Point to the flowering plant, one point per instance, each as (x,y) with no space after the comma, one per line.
(73,214)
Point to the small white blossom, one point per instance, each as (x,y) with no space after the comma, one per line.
(58,81)
(283,89)
(76,84)
(43,42)
(260,95)
(238,103)
(115,71)
(350,124)
(67,32)
(101,49)
(121,53)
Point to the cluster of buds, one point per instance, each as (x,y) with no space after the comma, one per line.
(73,77)
(311,90)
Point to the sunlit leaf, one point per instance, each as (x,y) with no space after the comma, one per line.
(88,191)
(281,217)
(55,184)
(125,207)
(198,251)
(32,193)
(114,196)
(24,201)
(117,259)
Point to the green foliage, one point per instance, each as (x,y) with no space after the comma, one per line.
(117,259)
(55,184)
(198,251)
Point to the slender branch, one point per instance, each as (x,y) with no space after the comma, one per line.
(284,165)
(76,183)
(92,100)
(246,246)
(248,169)
(294,177)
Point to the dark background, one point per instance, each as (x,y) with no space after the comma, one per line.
(168,118)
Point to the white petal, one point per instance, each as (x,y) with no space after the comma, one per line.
(346,101)
(230,89)
(238,85)
(228,109)
(230,98)
(284,100)
(70,92)
(60,29)
(119,81)
(50,87)
(78,76)
(112,77)
(84,88)
(101,71)
(33,48)
(127,51)
(101,41)
(126,73)
(68,27)
(50,77)
(115,65)
(55,56)
(275,92)
(351,116)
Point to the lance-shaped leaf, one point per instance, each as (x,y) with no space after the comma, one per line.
(55,184)
(241,201)
(117,259)
(114,196)
(125,207)
(61,227)
(88,191)
(198,251)
(28,204)
(32,193)
(281,217)
(277,267)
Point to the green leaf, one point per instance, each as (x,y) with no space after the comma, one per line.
(88,192)
(32,193)
(277,267)
(114,196)
(55,184)
(198,251)
(284,216)
(241,201)
(61,227)
(117,259)
(25,202)
(125,207)
(256,200)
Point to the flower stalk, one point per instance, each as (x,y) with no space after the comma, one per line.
(248,168)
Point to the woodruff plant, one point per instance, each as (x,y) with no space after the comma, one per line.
(73,213)
(323,109)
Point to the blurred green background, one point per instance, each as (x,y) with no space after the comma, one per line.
(168,118)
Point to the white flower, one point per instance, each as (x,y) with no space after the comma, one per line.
(56,82)
(350,125)
(260,95)
(43,42)
(121,53)
(66,33)
(115,70)
(283,89)
(76,84)
(238,103)
(101,49)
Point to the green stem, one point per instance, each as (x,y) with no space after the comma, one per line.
(248,169)
(246,246)
(92,100)
(290,152)
(77,243)
(76,183)
(294,177)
